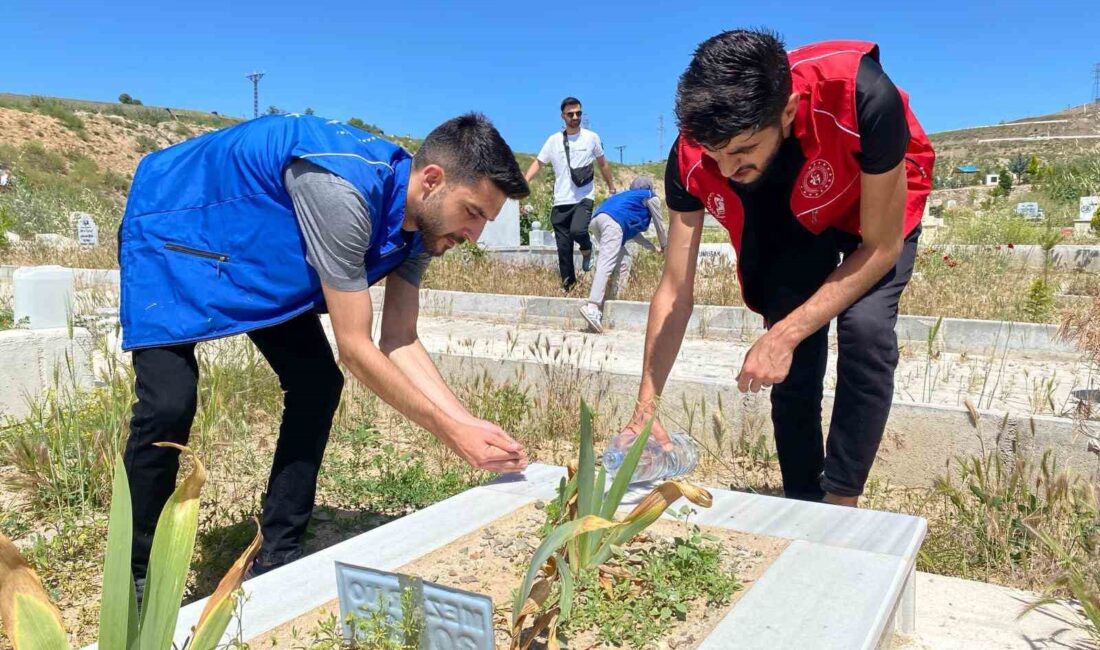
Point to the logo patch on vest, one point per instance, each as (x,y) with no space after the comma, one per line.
(716,206)
(817,179)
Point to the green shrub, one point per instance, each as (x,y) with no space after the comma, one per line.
(1068,181)
(145,144)
(997,225)
(994,509)
(1039,304)
(57,110)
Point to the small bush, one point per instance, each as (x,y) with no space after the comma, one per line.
(1039,304)
(144,144)
(996,225)
(360,124)
(995,508)
(58,111)
(7,222)
(1069,181)
(667,582)
(35,161)
(62,450)
(7,314)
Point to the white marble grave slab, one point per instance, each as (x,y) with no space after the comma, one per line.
(844,582)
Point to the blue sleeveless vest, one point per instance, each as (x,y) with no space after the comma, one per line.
(628,209)
(210,246)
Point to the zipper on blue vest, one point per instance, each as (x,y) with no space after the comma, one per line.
(187,250)
(392,251)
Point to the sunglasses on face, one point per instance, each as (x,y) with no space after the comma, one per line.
(573,113)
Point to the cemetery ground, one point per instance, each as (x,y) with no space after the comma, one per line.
(988,515)
(987,283)
(996,516)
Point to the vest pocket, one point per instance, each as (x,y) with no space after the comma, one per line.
(187,250)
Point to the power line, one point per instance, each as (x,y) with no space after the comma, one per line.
(660,136)
(620,148)
(255,78)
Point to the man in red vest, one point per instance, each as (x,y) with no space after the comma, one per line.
(814,163)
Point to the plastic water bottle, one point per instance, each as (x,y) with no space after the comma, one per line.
(655,463)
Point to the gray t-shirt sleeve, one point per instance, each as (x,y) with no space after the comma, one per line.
(412,270)
(335,222)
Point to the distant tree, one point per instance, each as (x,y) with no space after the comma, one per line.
(274,110)
(1005,181)
(1018,165)
(1032,166)
(366,126)
(136,102)
(125,98)
(309,110)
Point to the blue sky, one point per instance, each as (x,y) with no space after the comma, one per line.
(406,66)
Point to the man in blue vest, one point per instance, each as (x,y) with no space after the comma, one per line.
(621,219)
(256,229)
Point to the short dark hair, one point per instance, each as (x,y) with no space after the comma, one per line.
(469,148)
(737,81)
(569,100)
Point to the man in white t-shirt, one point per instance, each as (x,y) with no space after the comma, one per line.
(573,152)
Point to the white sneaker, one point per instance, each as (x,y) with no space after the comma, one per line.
(594,317)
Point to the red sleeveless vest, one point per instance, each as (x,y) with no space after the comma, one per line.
(827,189)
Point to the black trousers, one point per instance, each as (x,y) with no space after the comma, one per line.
(166,386)
(867,350)
(571,225)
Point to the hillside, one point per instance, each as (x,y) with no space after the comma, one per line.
(73,155)
(1051,138)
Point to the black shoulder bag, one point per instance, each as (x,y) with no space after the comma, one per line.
(581,176)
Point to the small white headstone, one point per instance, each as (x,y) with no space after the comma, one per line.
(952,204)
(1029,210)
(451,618)
(87,232)
(502,232)
(1088,204)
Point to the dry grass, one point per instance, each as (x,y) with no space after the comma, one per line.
(100,257)
(1082,327)
(379,466)
(983,284)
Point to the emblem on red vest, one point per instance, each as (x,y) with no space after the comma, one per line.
(716,205)
(817,179)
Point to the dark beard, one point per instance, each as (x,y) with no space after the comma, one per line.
(765,173)
(429,222)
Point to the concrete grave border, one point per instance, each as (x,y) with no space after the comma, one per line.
(846,581)
(707,321)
